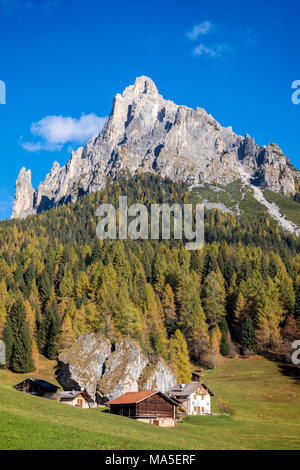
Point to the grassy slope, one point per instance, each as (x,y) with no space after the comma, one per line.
(234,197)
(229,195)
(288,207)
(267,402)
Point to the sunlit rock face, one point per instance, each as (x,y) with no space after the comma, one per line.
(24,195)
(81,365)
(145,131)
(106,370)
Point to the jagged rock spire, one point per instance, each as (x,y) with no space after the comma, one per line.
(24,195)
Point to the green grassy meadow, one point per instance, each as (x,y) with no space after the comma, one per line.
(266,395)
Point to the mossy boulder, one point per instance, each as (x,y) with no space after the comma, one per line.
(157,376)
(122,371)
(81,365)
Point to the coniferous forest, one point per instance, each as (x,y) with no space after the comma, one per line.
(239,294)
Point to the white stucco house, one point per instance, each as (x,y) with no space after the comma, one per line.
(75,398)
(194,397)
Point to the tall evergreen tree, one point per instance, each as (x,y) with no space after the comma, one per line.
(8,338)
(44,287)
(248,340)
(169,307)
(21,353)
(224,346)
(51,330)
(297,301)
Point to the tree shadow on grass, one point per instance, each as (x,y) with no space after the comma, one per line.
(291,371)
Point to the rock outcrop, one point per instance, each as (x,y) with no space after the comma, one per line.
(156,375)
(81,365)
(24,195)
(145,131)
(107,370)
(122,371)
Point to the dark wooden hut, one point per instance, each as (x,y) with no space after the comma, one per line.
(42,388)
(196,376)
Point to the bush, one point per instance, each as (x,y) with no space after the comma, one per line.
(226,408)
(211,360)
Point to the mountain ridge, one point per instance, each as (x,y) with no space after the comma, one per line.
(146,132)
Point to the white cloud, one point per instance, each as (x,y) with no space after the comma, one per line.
(55,131)
(32,146)
(221,39)
(200,29)
(213,51)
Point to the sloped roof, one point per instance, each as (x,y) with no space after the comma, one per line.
(71,394)
(188,389)
(42,383)
(131,398)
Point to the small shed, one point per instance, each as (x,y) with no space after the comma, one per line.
(196,376)
(38,387)
(75,398)
(149,406)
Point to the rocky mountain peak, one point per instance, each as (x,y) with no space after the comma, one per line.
(142,86)
(145,131)
(24,195)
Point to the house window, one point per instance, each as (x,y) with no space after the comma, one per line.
(195,396)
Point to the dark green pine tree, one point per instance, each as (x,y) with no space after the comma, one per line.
(40,336)
(248,340)
(21,354)
(44,286)
(210,263)
(224,346)
(29,276)
(297,301)
(97,252)
(51,330)
(8,339)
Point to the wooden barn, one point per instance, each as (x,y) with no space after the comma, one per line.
(149,406)
(42,388)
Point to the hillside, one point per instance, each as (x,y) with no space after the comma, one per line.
(264,393)
(64,281)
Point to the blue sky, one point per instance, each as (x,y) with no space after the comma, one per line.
(67,58)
